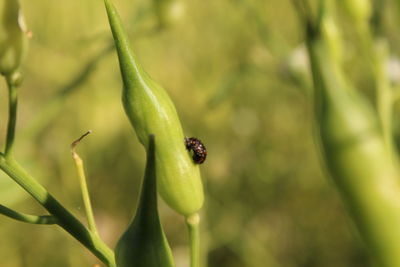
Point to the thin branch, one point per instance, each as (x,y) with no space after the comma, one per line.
(311,23)
(27,218)
(12,116)
(83,184)
(76,142)
(65,219)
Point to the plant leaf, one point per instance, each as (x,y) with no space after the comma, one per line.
(144,243)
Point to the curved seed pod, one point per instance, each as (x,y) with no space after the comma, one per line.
(355,154)
(144,243)
(151,111)
(13,37)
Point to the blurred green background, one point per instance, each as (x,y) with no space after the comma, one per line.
(237,73)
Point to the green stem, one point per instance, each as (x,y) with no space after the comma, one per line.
(85,195)
(83,185)
(384,94)
(193,223)
(376,52)
(12,116)
(44,219)
(65,219)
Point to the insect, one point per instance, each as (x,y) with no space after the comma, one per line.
(199,150)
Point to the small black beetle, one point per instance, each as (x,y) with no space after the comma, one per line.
(199,150)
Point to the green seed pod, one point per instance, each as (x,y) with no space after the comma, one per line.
(144,243)
(151,111)
(169,12)
(356,156)
(13,37)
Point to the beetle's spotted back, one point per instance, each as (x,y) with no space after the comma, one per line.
(198,148)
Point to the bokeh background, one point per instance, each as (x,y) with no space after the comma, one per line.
(237,72)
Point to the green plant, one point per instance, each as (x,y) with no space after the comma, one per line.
(155,120)
(268,202)
(356,140)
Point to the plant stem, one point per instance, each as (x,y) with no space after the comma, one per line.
(12,116)
(376,50)
(83,185)
(65,219)
(44,219)
(384,94)
(193,223)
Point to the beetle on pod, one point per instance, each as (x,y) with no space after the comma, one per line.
(198,148)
